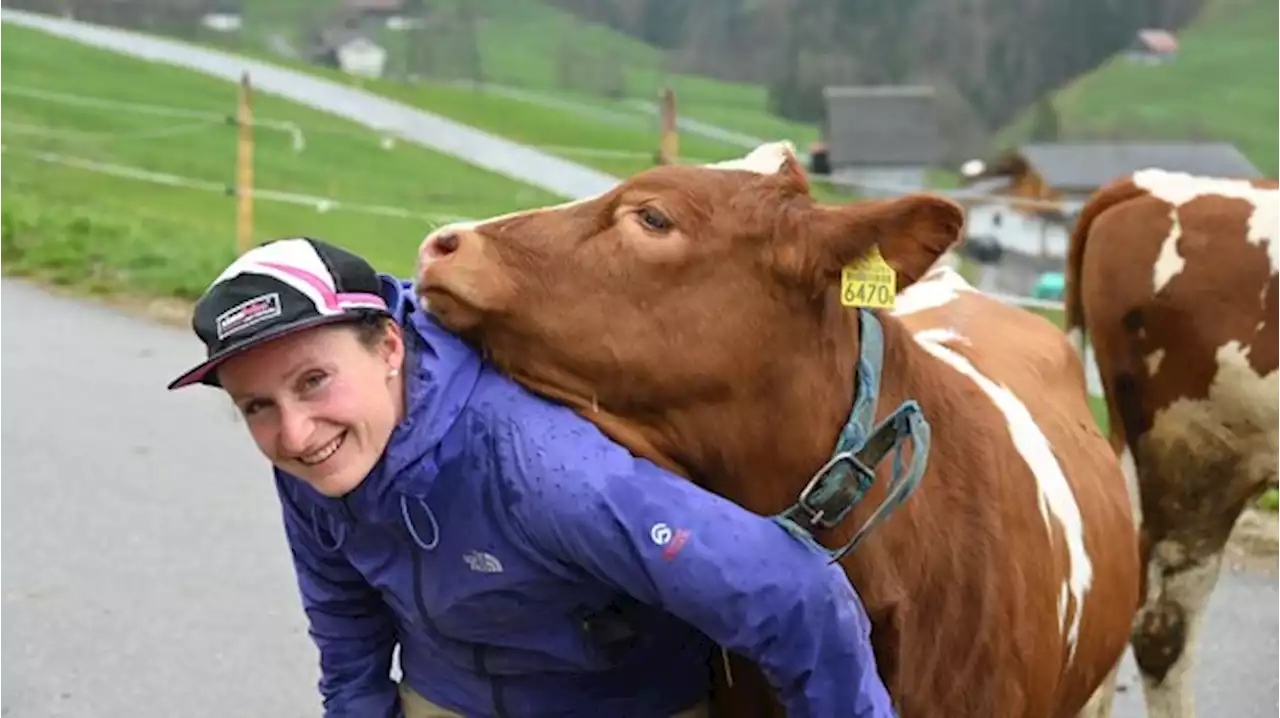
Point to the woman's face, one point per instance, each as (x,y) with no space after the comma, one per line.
(320,404)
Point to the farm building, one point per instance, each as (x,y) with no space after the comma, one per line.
(223,16)
(351,51)
(882,139)
(1021,243)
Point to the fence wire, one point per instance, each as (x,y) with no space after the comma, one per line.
(141,174)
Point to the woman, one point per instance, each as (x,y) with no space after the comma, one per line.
(524,564)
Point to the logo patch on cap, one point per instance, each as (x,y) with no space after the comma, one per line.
(248,313)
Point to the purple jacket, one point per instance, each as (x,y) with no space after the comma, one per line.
(528,566)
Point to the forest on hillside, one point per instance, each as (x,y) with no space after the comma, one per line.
(988,58)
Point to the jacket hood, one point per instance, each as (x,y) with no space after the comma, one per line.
(440,373)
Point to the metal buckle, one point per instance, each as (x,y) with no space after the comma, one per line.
(817,516)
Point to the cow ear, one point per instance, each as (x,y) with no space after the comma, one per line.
(912,232)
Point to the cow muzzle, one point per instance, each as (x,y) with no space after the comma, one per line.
(438,245)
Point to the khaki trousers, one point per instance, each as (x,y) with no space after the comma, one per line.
(415,706)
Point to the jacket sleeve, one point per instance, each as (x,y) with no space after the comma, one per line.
(740,578)
(350,625)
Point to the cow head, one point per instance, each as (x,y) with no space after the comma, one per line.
(673,286)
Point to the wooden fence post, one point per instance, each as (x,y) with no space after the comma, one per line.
(244,168)
(669,139)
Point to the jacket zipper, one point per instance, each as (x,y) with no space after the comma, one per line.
(346,508)
(499,700)
(417,591)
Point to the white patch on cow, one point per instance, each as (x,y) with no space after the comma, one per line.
(1240,383)
(767,159)
(1129,468)
(1237,398)
(949,259)
(1064,598)
(1055,495)
(1153,361)
(938,287)
(1075,335)
(1179,188)
(1169,263)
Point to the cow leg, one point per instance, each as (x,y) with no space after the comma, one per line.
(1185,528)
(1099,705)
(1165,632)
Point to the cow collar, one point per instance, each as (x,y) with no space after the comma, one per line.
(850,472)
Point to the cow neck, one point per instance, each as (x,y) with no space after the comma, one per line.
(844,480)
(760,447)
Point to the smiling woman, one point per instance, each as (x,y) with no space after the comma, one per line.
(523,562)
(321,404)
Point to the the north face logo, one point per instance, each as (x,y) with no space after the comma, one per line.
(482,562)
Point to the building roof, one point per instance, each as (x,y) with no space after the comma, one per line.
(1157,41)
(1086,166)
(882,126)
(373,6)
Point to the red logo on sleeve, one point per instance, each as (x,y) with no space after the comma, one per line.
(673,541)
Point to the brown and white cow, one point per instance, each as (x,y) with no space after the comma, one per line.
(1173,277)
(692,313)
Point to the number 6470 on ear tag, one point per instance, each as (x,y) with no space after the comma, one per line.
(869,282)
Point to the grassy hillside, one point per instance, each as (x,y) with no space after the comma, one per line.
(72,225)
(522,43)
(1222,86)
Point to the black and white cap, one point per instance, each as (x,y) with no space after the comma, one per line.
(275,289)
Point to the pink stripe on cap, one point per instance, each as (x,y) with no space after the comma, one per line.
(333,300)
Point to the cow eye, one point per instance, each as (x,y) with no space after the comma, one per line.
(654,220)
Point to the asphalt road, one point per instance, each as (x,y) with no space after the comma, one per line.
(147,573)
(476,147)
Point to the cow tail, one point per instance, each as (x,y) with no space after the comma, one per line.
(1108,196)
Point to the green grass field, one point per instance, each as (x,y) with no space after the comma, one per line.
(518,43)
(555,131)
(1221,86)
(70,225)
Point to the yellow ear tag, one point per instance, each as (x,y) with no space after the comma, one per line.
(869,282)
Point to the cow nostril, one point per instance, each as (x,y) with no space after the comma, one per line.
(437,247)
(445,244)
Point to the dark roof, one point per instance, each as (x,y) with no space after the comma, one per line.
(886,125)
(1086,166)
(374,6)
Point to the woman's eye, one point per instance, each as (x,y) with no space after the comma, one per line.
(313,381)
(655,220)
